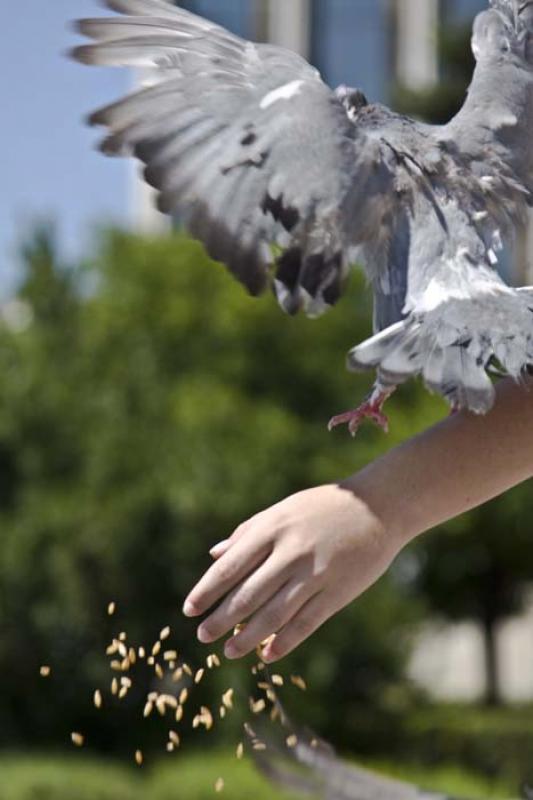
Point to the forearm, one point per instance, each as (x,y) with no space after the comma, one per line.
(453,467)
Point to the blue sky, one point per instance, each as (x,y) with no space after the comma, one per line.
(49,165)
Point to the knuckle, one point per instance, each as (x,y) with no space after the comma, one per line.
(302,626)
(224,571)
(273,619)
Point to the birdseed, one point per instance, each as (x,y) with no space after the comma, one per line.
(149,707)
(111,608)
(170,655)
(97,698)
(77,739)
(292,741)
(45,671)
(240,750)
(139,758)
(219,785)
(184,694)
(173,736)
(179,713)
(299,682)
(159,671)
(227,698)
(199,675)
(156,649)
(257,706)
(114,686)
(165,633)
(277,680)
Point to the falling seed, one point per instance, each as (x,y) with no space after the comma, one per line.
(240,750)
(112,607)
(172,665)
(170,747)
(184,694)
(114,686)
(259,746)
(263,685)
(112,649)
(271,695)
(219,785)
(277,680)
(156,649)
(150,661)
(213,661)
(170,655)
(258,706)
(222,712)
(122,650)
(45,671)
(299,682)
(199,675)
(139,758)
(292,740)
(179,713)
(249,730)
(149,707)
(116,666)
(187,669)
(227,698)
(132,655)
(274,714)
(314,742)
(239,628)
(161,706)
(177,675)
(173,736)
(122,636)
(123,692)
(124,681)
(152,696)
(159,671)
(141,652)
(77,739)
(98,698)
(165,633)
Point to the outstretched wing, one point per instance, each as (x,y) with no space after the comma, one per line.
(246,145)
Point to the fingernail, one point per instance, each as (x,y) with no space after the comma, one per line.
(230,650)
(189,609)
(218,548)
(204,636)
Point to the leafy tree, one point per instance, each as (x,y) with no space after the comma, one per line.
(148,406)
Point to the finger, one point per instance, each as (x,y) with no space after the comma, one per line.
(252,593)
(225,574)
(223,546)
(273,616)
(306,621)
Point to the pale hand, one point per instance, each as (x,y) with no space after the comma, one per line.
(289,569)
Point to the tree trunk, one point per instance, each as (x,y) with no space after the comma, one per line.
(492,694)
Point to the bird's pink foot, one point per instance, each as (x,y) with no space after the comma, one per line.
(369,410)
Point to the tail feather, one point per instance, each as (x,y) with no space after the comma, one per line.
(452,348)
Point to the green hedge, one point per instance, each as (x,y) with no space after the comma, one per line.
(193,778)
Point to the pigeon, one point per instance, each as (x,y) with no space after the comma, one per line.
(291,183)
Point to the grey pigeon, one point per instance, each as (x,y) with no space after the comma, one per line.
(290,183)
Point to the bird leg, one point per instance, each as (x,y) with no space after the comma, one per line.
(372,409)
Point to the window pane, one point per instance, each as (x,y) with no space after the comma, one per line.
(236,15)
(351,44)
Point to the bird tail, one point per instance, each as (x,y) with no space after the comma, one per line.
(453,346)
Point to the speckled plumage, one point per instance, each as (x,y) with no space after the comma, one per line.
(289,183)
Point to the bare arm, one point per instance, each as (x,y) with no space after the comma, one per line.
(290,568)
(458,465)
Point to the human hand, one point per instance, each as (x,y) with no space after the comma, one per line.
(289,569)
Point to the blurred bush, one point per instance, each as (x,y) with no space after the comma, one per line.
(148,406)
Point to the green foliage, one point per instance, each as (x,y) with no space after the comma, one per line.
(149,408)
(193,778)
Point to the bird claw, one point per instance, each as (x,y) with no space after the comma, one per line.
(353,419)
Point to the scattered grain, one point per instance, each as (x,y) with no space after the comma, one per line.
(149,707)
(156,649)
(187,669)
(111,608)
(170,655)
(174,737)
(98,698)
(240,750)
(257,706)
(170,747)
(141,652)
(114,686)
(45,671)
(222,712)
(122,636)
(227,698)
(159,671)
(199,675)
(179,713)
(177,676)
(77,739)
(139,758)
(299,682)
(277,680)
(219,785)
(259,746)
(184,694)
(123,692)
(165,633)
(292,740)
